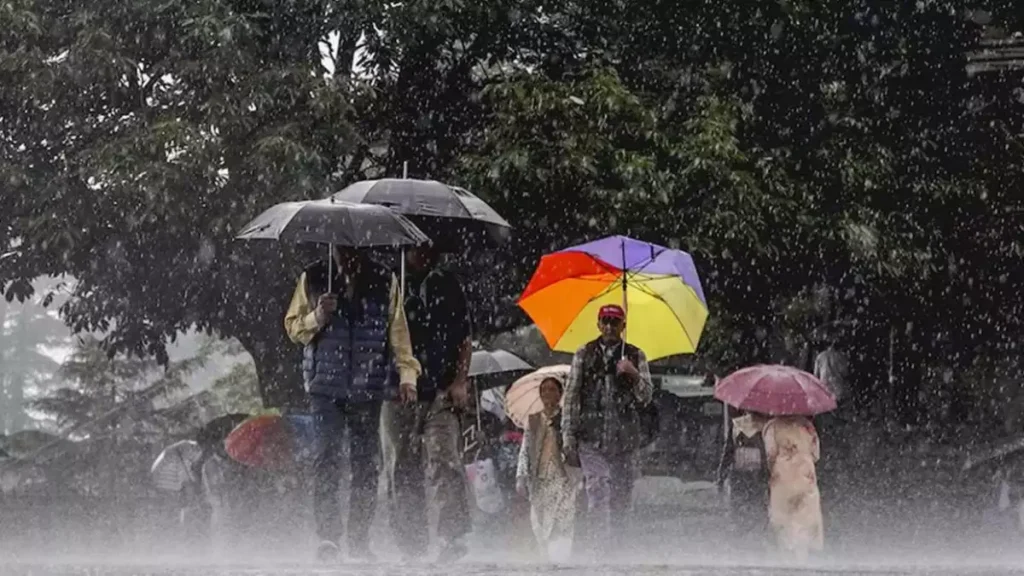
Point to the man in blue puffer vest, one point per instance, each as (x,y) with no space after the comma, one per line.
(355,337)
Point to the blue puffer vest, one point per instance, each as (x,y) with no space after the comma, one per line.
(349,359)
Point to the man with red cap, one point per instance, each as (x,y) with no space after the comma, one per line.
(608,386)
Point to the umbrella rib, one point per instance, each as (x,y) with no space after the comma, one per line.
(644,262)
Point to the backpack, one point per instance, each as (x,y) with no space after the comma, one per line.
(750,456)
(650,424)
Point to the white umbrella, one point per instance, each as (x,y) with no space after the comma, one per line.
(172,469)
(523,398)
(493,401)
(494,368)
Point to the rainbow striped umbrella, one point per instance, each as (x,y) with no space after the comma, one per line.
(657,286)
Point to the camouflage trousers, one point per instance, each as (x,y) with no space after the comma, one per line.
(421,445)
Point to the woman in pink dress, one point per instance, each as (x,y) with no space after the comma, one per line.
(791,444)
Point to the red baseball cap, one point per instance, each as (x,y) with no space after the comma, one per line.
(611,311)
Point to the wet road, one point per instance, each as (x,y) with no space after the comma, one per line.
(483,569)
(681,540)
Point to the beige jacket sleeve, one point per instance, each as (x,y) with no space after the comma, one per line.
(301,322)
(401,344)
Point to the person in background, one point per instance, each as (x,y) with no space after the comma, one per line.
(832,366)
(428,433)
(791,444)
(542,476)
(743,475)
(351,334)
(609,384)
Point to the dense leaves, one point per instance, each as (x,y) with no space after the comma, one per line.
(826,162)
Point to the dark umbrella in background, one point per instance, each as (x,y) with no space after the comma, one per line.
(491,369)
(452,217)
(334,222)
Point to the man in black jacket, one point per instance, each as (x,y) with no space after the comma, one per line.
(422,441)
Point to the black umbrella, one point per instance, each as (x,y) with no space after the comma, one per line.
(334,222)
(453,217)
(493,368)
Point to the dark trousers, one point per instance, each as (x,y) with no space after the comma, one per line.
(331,420)
(748,509)
(608,481)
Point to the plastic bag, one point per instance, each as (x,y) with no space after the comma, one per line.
(484,481)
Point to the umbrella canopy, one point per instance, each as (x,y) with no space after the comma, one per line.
(493,368)
(334,222)
(261,441)
(776,391)
(658,287)
(173,468)
(450,215)
(273,441)
(493,401)
(523,398)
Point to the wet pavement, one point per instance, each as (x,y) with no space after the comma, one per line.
(485,569)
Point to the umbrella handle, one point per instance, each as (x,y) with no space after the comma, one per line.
(625,302)
(478,398)
(330,266)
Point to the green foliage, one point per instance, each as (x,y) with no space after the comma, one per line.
(138,137)
(238,391)
(26,331)
(791,146)
(115,411)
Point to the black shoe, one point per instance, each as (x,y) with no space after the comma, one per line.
(327,551)
(361,554)
(452,552)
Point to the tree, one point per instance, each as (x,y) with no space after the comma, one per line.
(26,330)
(791,146)
(136,139)
(237,391)
(111,408)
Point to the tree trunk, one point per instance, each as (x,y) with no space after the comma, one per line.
(278,362)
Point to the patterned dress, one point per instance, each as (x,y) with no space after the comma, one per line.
(795,503)
(552,488)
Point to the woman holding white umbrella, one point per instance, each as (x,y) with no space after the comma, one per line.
(542,474)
